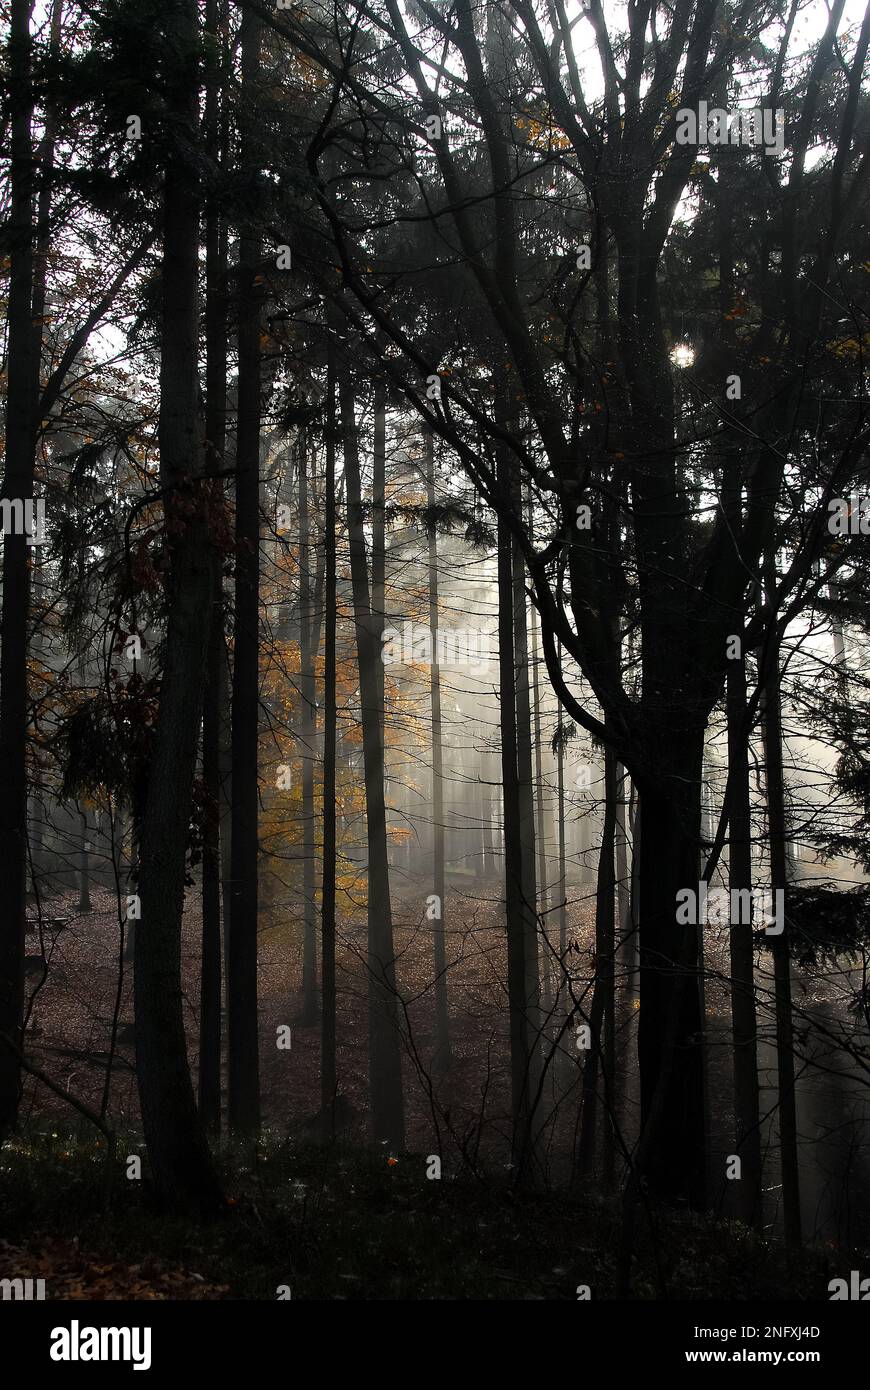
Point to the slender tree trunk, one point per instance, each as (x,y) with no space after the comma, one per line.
(379,556)
(385,1058)
(177,1149)
(328,1072)
(215,434)
(225,752)
(546,956)
(563,862)
(210,964)
(40,653)
(443,1057)
(519,938)
(132,880)
(599,1058)
(743,1020)
(244,1067)
(527,798)
(45,157)
(628,949)
(627,870)
(778,832)
(744,1032)
(308,736)
(22,387)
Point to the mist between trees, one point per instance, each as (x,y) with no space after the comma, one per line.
(435,450)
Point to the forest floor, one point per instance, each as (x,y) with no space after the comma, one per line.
(341,1223)
(349,1219)
(71,1023)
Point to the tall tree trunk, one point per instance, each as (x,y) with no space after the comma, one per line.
(627,873)
(22,387)
(599,1058)
(328,1073)
(744,1033)
(527,796)
(308,735)
(385,1058)
(215,435)
(225,753)
(379,556)
(546,954)
(244,1068)
(743,1020)
(671,1153)
(778,832)
(442,1059)
(563,861)
(520,938)
(210,963)
(177,1149)
(563,857)
(628,945)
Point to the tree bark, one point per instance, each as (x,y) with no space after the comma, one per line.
(308,734)
(743,1020)
(563,862)
(244,1067)
(520,939)
(670,1034)
(778,832)
(540,836)
(526,796)
(22,388)
(328,1072)
(215,434)
(177,1150)
(385,1058)
(442,1059)
(599,1058)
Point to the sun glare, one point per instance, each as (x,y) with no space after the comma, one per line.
(682,355)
